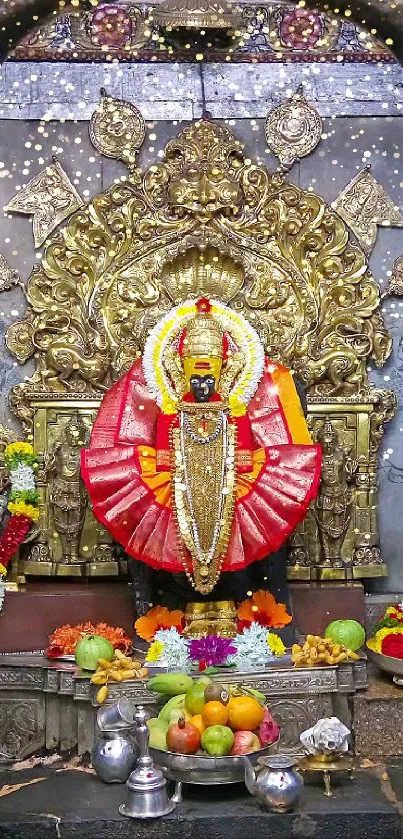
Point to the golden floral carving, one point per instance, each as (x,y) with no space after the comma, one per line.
(293,129)
(278,254)
(363,205)
(49,197)
(8,275)
(395,286)
(117,129)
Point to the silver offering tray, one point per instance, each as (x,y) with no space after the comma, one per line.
(389,664)
(205,770)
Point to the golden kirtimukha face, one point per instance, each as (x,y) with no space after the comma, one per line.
(202,365)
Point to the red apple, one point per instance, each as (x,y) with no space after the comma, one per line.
(244,743)
(183,738)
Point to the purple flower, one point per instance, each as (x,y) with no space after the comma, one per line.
(212,650)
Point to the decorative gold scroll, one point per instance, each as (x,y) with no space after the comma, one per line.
(117,129)
(50,198)
(293,129)
(364,205)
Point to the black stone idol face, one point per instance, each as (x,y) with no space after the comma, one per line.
(202,387)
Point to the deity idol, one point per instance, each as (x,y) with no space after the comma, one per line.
(200,458)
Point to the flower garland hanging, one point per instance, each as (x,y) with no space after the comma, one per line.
(22,502)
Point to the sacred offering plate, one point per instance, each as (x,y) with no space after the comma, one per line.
(388,664)
(203,769)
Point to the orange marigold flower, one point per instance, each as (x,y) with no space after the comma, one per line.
(263,608)
(159,617)
(65,637)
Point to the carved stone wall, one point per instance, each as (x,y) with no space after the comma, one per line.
(297,697)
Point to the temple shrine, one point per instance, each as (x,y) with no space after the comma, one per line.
(201,272)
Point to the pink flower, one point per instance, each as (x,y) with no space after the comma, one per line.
(111,26)
(211,650)
(300,29)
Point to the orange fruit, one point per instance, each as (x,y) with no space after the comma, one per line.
(198,723)
(244,713)
(215,713)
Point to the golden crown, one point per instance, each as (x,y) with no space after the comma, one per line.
(204,335)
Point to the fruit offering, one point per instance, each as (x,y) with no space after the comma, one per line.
(347,632)
(204,717)
(183,738)
(90,649)
(317,651)
(64,639)
(120,668)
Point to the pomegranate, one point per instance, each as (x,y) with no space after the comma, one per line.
(245,742)
(183,738)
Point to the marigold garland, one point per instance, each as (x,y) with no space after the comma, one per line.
(23,502)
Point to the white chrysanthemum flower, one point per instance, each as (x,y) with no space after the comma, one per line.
(252,647)
(175,652)
(22,478)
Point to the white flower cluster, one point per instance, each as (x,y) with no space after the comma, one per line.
(22,478)
(175,653)
(252,647)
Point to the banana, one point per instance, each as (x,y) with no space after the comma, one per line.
(115,675)
(170,684)
(120,655)
(105,664)
(102,694)
(128,674)
(98,679)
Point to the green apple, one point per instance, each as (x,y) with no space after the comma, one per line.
(194,700)
(217,740)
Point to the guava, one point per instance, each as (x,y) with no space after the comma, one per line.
(194,701)
(90,649)
(217,740)
(349,633)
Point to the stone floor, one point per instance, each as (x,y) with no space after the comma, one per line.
(68,801)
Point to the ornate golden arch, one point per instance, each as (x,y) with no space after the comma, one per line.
(206,220)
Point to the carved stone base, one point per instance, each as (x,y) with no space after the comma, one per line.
(44,704)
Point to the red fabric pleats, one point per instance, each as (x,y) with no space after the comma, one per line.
(132,501)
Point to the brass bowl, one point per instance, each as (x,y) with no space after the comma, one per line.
(388,664)
(205,770)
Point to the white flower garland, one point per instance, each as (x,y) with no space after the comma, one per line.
(167,329)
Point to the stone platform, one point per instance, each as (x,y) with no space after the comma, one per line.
(63,803)
(51,705)
(378,717)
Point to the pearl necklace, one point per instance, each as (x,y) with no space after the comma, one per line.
(198,438)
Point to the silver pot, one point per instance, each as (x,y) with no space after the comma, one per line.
(277,785)
(114,756)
